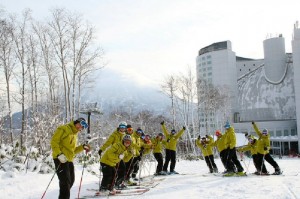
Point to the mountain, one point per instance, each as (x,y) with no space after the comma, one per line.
(113,90)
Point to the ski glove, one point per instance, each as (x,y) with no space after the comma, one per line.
(62,158)
(162,123)
(86,147)
(183,128)
(265,148)
(99,152)
(252,122)
(121,156)
(199,137)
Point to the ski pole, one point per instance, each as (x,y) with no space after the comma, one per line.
(262,164)
(50,181)
(115,177)
(100,169)
(84,165)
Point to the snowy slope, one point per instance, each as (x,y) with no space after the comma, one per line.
(191,185)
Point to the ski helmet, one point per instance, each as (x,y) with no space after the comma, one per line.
(173,131)
(227,125)
(123,125)
(127,137)
(82,122)
(139,131)
(160,134)
(265,131)
(218,133)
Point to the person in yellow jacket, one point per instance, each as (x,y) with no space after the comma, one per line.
(133,167)
(110,163)
(172,139)
(220,144)
(64,148)
(116,137)
(158,143)
(206,146)
(232,160)
(252,147)
(263,149)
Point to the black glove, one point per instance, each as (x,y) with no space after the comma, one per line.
(183,128)
(252,122)
(206,136)
(265,148)
(162,123)
(99,152)
(198,137)
(246,134)
(168,140)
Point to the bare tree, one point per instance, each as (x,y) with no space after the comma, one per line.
(83,57)
(20,38)
(59,36)
(7,63)
(169,87)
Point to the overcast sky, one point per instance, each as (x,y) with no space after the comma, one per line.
(149,39)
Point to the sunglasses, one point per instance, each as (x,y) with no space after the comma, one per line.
(84,124)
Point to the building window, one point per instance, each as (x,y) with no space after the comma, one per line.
(253,64)
(209,68)
(204,74)
(209,74)
(276,144)
(240,69)
(286,132)
(208,62)
(204,69)
(208,56)
(293,132)
(271,133)
(278,133)
(209,80)
(203,58)
(203,63)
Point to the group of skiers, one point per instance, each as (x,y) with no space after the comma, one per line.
(226,146)
(120,163)
(122,153)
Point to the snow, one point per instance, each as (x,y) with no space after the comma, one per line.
(191,185)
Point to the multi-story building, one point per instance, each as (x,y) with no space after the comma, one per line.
(266,90)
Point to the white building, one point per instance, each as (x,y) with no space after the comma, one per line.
(263,90)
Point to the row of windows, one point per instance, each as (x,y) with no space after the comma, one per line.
(276,133)
(207,57)
(204,69)
(211,125)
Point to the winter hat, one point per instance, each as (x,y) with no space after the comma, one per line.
(127,137)
(173,131)
(218,133)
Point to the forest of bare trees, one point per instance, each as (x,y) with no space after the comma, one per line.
(44,67)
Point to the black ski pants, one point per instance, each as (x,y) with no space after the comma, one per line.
(261,163)
(232,161)
(121,172)
(66,177)
(272,162)
(108,172)
(210,163)
(170,156)
(160,161)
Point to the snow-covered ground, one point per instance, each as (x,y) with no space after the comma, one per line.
(192,185)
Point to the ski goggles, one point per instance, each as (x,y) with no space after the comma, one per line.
(84,124)
(122,127)
(129,129)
